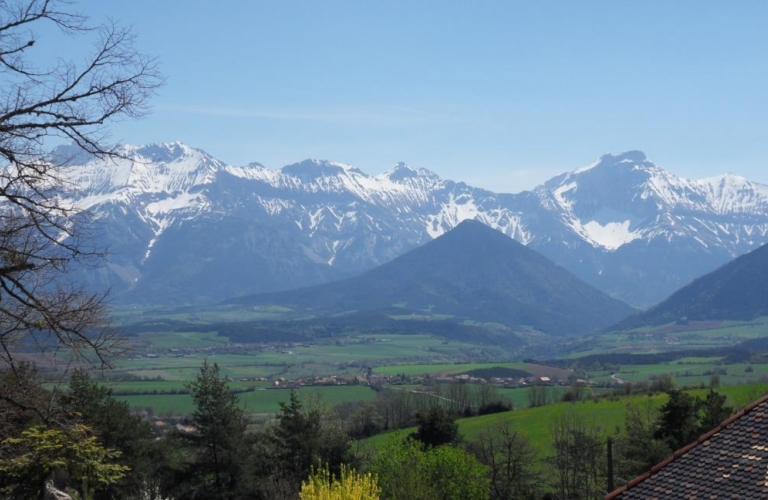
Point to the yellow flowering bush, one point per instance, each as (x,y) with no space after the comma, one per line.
(322,485)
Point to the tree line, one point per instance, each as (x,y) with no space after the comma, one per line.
(90,445)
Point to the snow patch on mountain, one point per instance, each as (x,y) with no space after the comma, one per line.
(181,201)
(611,235)
(455,210)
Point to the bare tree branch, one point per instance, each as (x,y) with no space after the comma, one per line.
(41,235)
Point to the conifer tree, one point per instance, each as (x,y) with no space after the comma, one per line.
(714,411)
(219,436)
(678,422)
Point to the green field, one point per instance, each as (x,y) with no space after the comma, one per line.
(663,339)
(519,395)
(263,401)
(153,357)
(168,352)
(606,415)
(170,386)
(688,372)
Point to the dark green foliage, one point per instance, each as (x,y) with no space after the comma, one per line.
(637,450)
(714,411)
(651,435)
(361,419)
(22,404)
(116,428)
(494,407)
(297,436)
(436,427)
(90,406)
(664,382)
(606,361)
(111,419)
(218,441)
(678,422)
(302,439)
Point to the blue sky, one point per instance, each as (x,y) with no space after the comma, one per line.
(502,95)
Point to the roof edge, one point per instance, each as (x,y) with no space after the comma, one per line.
(685,449)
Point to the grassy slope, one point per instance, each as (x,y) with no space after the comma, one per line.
(608,416)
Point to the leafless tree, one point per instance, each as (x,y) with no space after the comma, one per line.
(512,463)
(397,408)
(458,397)
(579,458)
(43,104)
(485,394)
(537,395)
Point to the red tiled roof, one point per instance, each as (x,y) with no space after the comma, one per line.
(730,461)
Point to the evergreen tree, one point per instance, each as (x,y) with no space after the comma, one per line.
(714,411)
(678,422)
(218,439)
(117,428)
(303,438)
(436,427)
(113,421)
(637,449)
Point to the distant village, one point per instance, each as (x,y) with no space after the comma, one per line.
(365,376)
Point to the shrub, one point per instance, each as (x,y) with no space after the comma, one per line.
(322,485)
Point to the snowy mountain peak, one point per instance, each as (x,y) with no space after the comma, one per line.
(609,161)
(607,167)
(402,172)
(626,157)
(726,179)
(69,154)
(165,152)
(309,170)
(139,170)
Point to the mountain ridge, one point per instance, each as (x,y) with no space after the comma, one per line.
(735,291)
(622,225)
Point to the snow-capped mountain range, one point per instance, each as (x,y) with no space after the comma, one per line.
(183,227)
